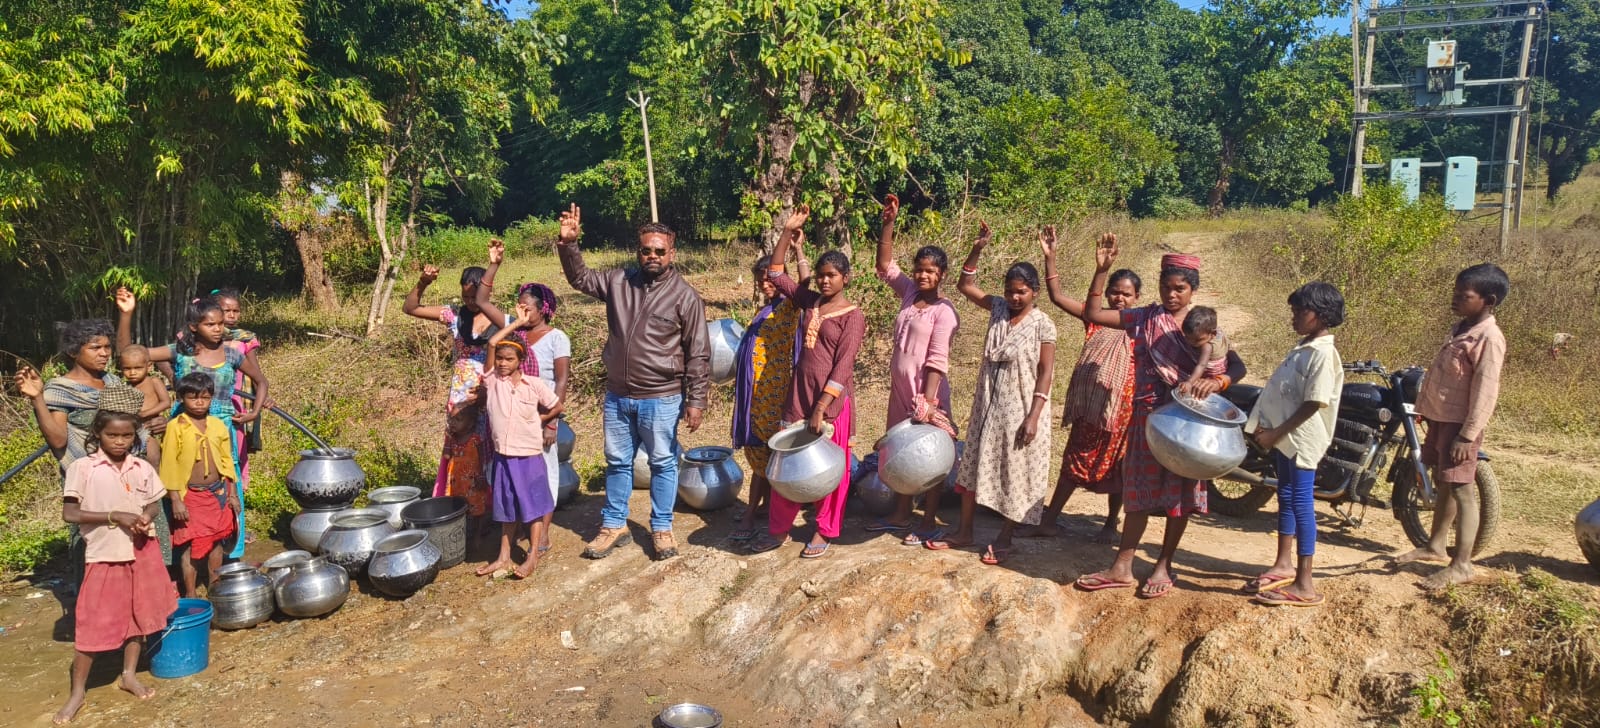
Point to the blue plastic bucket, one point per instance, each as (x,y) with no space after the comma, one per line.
(185,647)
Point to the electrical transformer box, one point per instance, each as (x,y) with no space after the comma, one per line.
(1406,173)
(1441,54)
(1460,183)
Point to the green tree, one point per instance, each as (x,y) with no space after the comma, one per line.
(824,91)
(1567,99)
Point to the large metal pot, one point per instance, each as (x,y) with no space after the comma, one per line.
(403,562)
(349,541)
(709,479)
(308,527)
(567,486)
(565,439)
(445,520)
(725,334)
(914,457)
(313,588)
(241,598)
(1197,439)
(392,500)
(326,478)
(278,566)
(1588,530)
(876,497)
(805,467)
(641,468)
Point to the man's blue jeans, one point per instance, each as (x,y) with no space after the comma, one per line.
(651,425)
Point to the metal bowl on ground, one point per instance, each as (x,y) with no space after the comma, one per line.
(1199,439)
(445,520)
(326,478)
(403,562)
(241,598)
(690,715)
(567,487)
(641,468)
(914,457)
(709,478)
(349,540)
(805,467)
(725,334)
(565,439)
(877,498)
(307,527)
(1587,527)
(313,588)
(392,499)
(278,566)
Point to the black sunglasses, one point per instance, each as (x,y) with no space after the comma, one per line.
(658,252)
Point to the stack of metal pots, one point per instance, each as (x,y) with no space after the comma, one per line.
(567,487)
(324,482)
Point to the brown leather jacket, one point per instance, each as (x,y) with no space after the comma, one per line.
(658,344)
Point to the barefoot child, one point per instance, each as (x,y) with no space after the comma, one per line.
(522,417)
(1200,330)
(1006,465)
(198,470)
(1099,400)
(1457,398)
(114,498)
(1294,418)
(831,331)
(134,362)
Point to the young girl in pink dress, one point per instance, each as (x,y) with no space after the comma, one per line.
(126,595)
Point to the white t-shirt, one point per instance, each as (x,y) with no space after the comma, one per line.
(552,346)
(1312,372)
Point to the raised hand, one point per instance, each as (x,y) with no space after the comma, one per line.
(797,219)
(1047,240)
(1105,252)
(28,383)
(984,235)
(497,251)
(125,299)
(571,224)
(430,273)
(891,208)
(524,314)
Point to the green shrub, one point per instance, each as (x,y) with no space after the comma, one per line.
(27,544)
(1380,237)
(1175,208)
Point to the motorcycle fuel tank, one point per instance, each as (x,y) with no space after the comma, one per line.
(1361,401)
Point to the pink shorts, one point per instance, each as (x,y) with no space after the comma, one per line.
(1436,453)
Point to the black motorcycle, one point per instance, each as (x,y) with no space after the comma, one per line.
(1377,427)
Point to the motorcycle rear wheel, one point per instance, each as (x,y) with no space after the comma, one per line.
(1417,518)
(1235,498)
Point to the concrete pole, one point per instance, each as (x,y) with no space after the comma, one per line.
(1513,174)
(1364,74)
(643,102)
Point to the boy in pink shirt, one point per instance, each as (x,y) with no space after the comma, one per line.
(522,422)
(1456,399)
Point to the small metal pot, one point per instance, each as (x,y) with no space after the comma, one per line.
(241,598)
(1588,530)
(308,527)
(445,520)
(565,439)
(326,478)
(349,541)
(876,497)
(392,499)
(403,562)
(1197,439)
(805,467)
(914,457)
(709,479)
(278,566)
(313,588)
(567,487)
(725,335)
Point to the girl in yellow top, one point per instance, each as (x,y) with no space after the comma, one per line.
(198,469)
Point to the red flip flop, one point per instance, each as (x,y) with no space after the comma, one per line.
(1096,582)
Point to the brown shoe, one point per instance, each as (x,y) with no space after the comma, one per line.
(666,547)
(608,539)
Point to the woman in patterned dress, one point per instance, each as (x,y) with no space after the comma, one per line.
(1006,464)
(1163,360)
(1099,400)
(761,385)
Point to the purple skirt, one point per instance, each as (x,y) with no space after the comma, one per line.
(521,488)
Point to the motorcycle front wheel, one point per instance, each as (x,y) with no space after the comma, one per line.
(1416,517)
(1233,498)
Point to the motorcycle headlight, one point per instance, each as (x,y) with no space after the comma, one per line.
(1384,415)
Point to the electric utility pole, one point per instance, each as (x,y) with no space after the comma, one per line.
(642,103)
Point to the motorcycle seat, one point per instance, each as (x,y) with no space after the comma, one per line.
(1243,396)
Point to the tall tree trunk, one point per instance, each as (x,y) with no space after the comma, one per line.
(1217,198)
(776,187)
(317,287)
(378,219)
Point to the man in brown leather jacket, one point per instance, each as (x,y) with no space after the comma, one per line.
(658,370)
